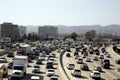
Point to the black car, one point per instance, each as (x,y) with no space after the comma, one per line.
(10,54)
(39,61)
(10,65)
(67,54)
(118,61)
(49,65)
(84,67)
(14,78)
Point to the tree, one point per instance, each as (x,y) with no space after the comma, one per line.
(29,36)
(74,36)
(90,35)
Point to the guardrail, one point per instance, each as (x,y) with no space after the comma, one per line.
(61,64)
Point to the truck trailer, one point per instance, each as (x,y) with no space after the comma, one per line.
(20,65)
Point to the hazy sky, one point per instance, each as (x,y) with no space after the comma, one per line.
(60,12)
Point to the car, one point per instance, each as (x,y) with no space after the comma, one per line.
(39,61)
(88,59)
(105,63)
(116,79)
(101,56)
(98,68)
(80,60)
(67,54)
(50,72)
(53,78)
(18,73)
(3,60)
(117,61)
(52,60)
(70,66)
(76,53)
(95,75)
(10,54)
(14,78)
(108,55)
(36,69)
(76,56)
(49,64)
(10,65)
(35,78)
(5,71)
(95,58)
(76,72)
(118,69)
(84,67)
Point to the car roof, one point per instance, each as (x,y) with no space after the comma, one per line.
(96,72)
(35,77)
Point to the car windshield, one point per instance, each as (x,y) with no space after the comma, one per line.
(15,78)
(97,73)
(36,67)
(54,78)
(50,70)
(18,68)
(71,64)
(77,70)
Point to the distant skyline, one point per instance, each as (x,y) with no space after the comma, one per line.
(60,12)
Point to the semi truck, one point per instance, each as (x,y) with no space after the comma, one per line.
(19,66)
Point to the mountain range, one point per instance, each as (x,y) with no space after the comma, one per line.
(62,29)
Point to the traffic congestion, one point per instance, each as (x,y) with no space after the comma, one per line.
(43,60)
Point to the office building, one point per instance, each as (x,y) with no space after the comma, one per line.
(9,30)
(22,31)
(47,32)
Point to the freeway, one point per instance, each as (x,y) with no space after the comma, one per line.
(43,69)
(107,74)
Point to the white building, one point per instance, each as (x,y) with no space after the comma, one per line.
(22,30)
(47,32)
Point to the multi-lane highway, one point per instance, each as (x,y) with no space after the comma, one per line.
(64,73)
(107,74)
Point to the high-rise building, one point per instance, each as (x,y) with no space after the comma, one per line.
(9,30)
(22,30)
(47,32)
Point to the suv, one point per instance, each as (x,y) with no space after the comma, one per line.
(98,68)
(80,61)
(84,67)
(95,74)
(70,66)
(105,63)
(76,72)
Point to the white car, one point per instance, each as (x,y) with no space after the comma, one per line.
(18,73)
(95,75)
(50,72)
(70,66)
(88,59)
(3,60)
(76,72)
